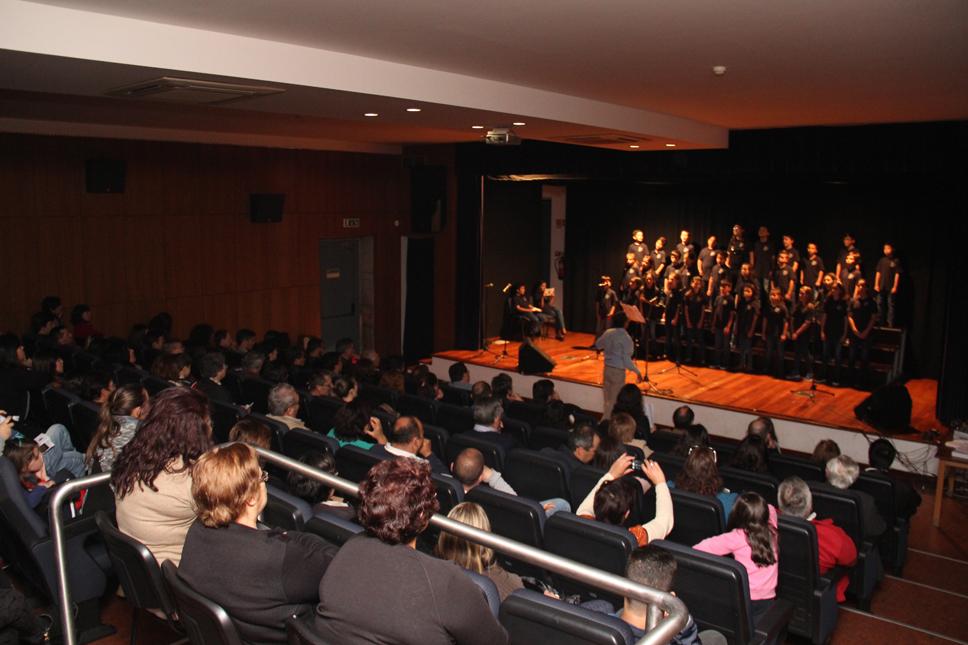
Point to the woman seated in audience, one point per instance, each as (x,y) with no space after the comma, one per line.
(473,556)
(692,437)
(612,500)
(751,538)
(750,455)
(700,475)
(379,588)
(119,420)
(316,492)
(346,389)
(260,577)
(622,428)
(83,327)
(429,387)
(252,432)
(629,401)
(50,365)
(824,451)
(174,368)
(353,425)
(16,379)
(152,476)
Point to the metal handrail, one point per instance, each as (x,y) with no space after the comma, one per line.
(667,614)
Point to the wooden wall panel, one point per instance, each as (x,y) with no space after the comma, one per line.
(179,239)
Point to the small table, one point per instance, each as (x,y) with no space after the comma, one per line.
(945,461)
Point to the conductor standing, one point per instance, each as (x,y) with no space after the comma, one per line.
(617,346)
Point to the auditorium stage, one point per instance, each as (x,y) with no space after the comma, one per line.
(724,401)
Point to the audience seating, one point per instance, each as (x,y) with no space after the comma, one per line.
(455,395)
(527,411)
(517,429)
(494,455)
(298,442)
(417,406)
(535,475)
(154,384)
(743,481)
(233,382)
(255,391)
(785,466)
(85,418)
(663,440)
(299,631)
(697,517)
(489,589)
(454,418)
(321,411)
(843,507)
(129,375)
(450,493)
(205,622)
(814,598)
(224,416)
(716,591)
(285,511)
(354,463)
(531,617)
(724,450)
(332,528)
(671,464)
(138,573)
(375,395)
(544,437)
(279,429)
(438,441)
(518,518)
(582,481)
(893,544)
(596,544)
(58,402)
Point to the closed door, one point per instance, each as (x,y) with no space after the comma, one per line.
(339,269)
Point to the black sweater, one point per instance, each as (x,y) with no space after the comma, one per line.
(377,593)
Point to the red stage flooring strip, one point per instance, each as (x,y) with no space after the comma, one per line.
(743,392)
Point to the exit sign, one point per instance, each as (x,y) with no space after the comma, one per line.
(351,222)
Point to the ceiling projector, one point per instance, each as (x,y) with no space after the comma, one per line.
(501,137)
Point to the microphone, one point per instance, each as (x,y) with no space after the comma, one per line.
(488,285)
(506,288)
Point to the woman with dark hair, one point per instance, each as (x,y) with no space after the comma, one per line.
(152,477)
(751,538)
(174,368)
(353,425)
(429,387)
(750,455)
(83,327)
(346,389)
(555,415)
(629,401)
(48,364)
(700,475)
(410,597)
(262,578)
(16,380)
(316,492)
(824,451)
(692,437)
(612,499)
(119,420)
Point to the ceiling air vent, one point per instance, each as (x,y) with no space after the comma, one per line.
(605,139)
(193,91)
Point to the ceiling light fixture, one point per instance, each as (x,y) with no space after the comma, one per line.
(477,127)
(633,146)
(519,123)
(370,114)
(719,70)
(670,145)
(413,109)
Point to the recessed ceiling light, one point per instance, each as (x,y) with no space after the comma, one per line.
(670,145)
(370,114)
(477,127)
(519,123)
(633,146)
(413,109)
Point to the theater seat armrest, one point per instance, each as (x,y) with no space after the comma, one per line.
(773,623)
(835,574)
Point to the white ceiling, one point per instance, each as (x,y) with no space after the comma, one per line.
(641,68)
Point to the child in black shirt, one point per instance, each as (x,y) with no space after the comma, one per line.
(793,253)
(745,278)
(718,274)
(673,317)
(707,260)
(833,332)
(737,252)
(784,278)
(860,321)
(811,270)
(776,326)
(695,311)
(747,316)
(854,276)
(724,317)
(850,246)
(638,246)
(659,258)
(649,302)
(804,331)
(886,281)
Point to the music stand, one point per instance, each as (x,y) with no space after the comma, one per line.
(634,314)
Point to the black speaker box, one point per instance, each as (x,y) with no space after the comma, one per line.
(532,360)
(266,207)
(888,408)
(104,175)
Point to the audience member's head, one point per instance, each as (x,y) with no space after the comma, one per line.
(126,401)
(750,455)
(397,500)
(174,432)
(480,390)
(222,340)
(275,372)
(346,389)
(583,442)
(464,553)
(501,386)
(824,451)
(614,500)
(543,391)
(458,373)
(751,513)
(252,432)
(629,400)
(346,348)
(201,336)
(609,449)
(653,567)
(842,472)
(253,362)
(80,314)
(881,454)
(683,417)
(161,322)
(172,367)
(407,433)
(283,400)
(763,427)
(228,485)
(468,467)
(692,437)
(310,490)
(212,366)
(351,422)
(245,340)
(52,305)
(488,412)
(621,428)
(11,351)
(555,415)
(393,380)
(320,383)
(794,498)
(699,473)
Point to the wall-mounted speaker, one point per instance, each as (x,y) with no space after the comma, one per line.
(104,175)
(266,208)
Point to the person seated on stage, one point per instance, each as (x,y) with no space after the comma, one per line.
(471,471)
(583,442)
(834,546)
(638,247)
(406,439)
(700,475)
(260,577)
(502,388)
(284,405)
(612,499)
(545,304)
(750,455)
(881,455)
(489,423)
(480,390)
(460,376)
(695,436)
(630,402)
(315,492)
(841,473)
(763,426)
(522,308)
(824,451)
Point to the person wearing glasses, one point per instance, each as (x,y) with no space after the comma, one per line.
(260,577)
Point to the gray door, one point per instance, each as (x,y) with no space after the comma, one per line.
(339,291)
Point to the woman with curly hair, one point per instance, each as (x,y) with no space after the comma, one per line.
(152,477)
(700,475)
(410,597)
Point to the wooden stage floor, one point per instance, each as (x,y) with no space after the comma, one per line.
(735,391)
